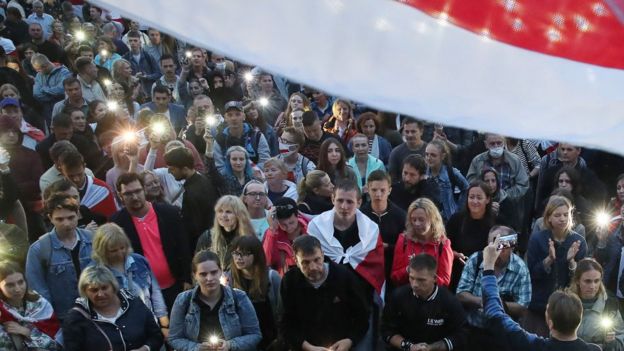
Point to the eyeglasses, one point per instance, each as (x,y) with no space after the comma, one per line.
(238,254)
(256,195)
(284,141)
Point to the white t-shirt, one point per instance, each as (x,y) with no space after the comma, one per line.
(112,319)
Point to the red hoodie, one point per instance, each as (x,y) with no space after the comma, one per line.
(278,248)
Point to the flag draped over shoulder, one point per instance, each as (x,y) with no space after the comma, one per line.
(41,316)
(366,257)
(523,68)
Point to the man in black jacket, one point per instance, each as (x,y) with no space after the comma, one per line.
(423,316)
(200,192)
(157,232)
(323,307)
(414,184)
(389,217)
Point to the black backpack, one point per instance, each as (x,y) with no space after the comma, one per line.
(250,139)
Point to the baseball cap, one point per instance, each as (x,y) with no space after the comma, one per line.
(9,102)
(233,104)
(285,207)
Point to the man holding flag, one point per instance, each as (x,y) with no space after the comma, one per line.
(350,238)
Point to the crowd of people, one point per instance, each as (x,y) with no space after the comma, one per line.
(156,195)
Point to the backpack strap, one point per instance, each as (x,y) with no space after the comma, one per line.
(220,139)
(255,141)
(45,252)
(479,261)
(452,177)
(454,182)
(304,165)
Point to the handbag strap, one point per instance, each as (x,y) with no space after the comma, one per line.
(84,314)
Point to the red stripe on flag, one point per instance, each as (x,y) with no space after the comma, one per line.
(580,30)
(372,267)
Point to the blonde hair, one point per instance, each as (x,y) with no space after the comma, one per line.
(274,161)
(336,107)
(444,151)
(554,202)
(96,275)
(9,86)
(310,181)
(106,236)
(117,68)
(243,226)
(431,210)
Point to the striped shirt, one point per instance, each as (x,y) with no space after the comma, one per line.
(527,153)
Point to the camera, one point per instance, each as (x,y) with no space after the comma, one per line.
(508,241)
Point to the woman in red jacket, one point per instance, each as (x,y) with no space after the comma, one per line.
(424,232)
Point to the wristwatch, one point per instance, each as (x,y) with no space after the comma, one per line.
(406,345)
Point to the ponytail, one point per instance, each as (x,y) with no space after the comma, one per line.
(309,182)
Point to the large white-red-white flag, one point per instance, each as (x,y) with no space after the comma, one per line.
(526,68)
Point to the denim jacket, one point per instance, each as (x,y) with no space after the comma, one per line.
(49,87)
(236,315)
(54,276)
(447,193)
(139,280)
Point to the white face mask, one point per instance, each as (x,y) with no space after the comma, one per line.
(220,66)
(497,152)
(287,149)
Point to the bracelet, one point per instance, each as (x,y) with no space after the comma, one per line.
(406,344)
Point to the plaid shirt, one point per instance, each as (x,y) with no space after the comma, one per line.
(514,282)
(504,171)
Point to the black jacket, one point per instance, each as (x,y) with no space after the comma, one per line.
(335,311)
(314,204)
(197,140)
(16,31)
(403,196)
(391,224)
(440,317)
(134,328)
(173,235)
(198,202)
(92,155)
(10,76)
